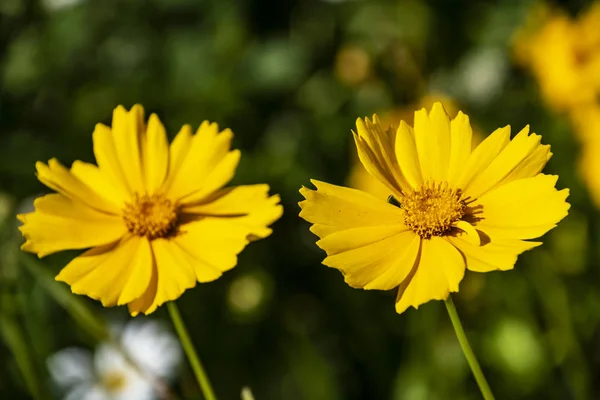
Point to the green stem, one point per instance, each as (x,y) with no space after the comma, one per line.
(190,352)
(486,392)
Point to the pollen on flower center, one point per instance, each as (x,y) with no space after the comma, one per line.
(431,209)
(114,381)
(153,216)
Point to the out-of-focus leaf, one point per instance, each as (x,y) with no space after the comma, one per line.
(85,317)
(16,340)
(312,373)
(22,66)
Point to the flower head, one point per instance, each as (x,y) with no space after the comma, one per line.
(451,208)
(136,369)
(155,217)
(563,54)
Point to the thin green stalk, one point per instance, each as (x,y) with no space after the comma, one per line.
(486,392)
(190,351)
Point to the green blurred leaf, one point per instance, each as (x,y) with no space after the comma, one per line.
(312,373)
(22,67)
(85,317)
(15,339)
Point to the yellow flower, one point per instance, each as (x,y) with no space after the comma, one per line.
(154,217)
(563,54)
(586,123)
(454,208)
(352,65)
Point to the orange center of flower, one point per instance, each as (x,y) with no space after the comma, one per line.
(153,216)
(431,209)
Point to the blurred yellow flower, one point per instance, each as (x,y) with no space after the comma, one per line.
(453,208)
(563,54)
(360,179)
(352,65)
(586,123)
(156,217)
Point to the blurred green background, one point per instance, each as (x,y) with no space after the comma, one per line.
(290,77)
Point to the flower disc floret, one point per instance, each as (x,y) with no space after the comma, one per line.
(153,216)
(431,209)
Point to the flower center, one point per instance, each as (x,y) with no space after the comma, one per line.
(114,381)
(431,209)
(152,216)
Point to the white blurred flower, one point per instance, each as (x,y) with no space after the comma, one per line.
(482,74)
(148,354)
(152,347)
(477,79)
(55,5)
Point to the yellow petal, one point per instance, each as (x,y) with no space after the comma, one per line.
(145,303)
(376,151)
(101,182)
(244,207)
(106,272)
(373,257)
(406,154)
(515,153)
(436,273)
(324,230)
(483,155)
(522,209)
(405,261)
(467,232)
(127,127)
(107,159)
(426,149)
(208,152)
(237,200)
(175,272)
(139,274)
(221,175)
(60,179)
(461,136)
(194,163)
(354,238)
(369,161)
(258,220)
(82,265)
(343,208)
(432,138)
(496,254)
(61,224)
(213,244)
(359,178)
(155,154)
(532,165)
(177,153)
(440,136)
